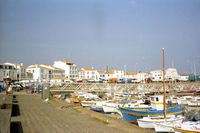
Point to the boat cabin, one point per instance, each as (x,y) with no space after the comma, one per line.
(157,102)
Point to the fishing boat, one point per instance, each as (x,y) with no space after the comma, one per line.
(148,122)
(77,99)
(184,100)
(183,127)
(158,103)
(97,108)
(188,127)
(195,102)
(189,123)
(131,115)
(111,107)
(88,103)
(165,126)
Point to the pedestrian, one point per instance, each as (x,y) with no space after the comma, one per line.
(9,89)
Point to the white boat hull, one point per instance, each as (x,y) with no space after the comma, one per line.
(148,122)
(145,124)
(160,128)
(189,126)
(109,109)
(87,103)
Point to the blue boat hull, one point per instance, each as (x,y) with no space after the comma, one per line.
(97,109)
(131,115)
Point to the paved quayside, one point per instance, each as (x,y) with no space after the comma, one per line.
(33,115)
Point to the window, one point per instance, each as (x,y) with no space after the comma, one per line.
(152,99)
(157,99)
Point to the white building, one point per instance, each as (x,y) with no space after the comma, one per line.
(71,70)
(57,73)
(183,77)
(40,73)
(142,76)
(118,73)
(131,75)
(156,75)
(137,76)
(45,73)
(105,76)
(170,74)
(7,72)
(21,70)
(58,77)
(111,74)
(89,74)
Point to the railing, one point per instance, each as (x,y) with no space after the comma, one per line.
(134,88)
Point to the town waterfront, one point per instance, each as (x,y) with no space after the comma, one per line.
(50,110)
(95,66)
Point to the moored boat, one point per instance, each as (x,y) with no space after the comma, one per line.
(163,127)
(183,127)
(87,103)
(110,107)
(148,122)
(188,127)
(97,108)
(195,102)
(131,115)
(158,104)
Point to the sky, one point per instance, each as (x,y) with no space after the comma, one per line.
(101,33)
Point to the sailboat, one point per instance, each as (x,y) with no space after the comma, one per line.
(159,107)
(148,122)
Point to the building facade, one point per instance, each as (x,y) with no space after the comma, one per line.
(171,74)
(40,73)
(21,70)
(142,77)
(89,74)
(71,70)
(118,73)
(156,75)
(44,73)
(7,72)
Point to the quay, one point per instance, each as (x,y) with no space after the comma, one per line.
(31,114)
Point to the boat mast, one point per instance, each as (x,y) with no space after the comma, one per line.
(163,67)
